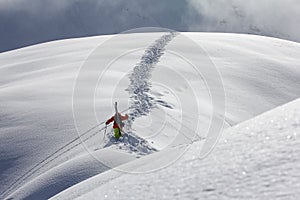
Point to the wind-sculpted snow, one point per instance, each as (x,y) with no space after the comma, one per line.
(139,88)
(257,159)
(42,155)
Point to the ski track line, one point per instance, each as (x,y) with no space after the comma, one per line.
(36,167)
(46,161)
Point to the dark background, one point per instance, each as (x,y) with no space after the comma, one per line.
(27,22)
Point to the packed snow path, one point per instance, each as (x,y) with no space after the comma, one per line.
(140,85)
(140,98)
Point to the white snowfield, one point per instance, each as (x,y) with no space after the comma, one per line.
(42,155)
(257,159)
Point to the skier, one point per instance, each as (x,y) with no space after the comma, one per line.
(118,124)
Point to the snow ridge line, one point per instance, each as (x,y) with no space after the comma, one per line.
(141,101)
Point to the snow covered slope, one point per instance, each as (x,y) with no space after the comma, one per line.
(41,153)
(256,159)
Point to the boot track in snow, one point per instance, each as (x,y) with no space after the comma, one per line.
(141,104)
(141,100)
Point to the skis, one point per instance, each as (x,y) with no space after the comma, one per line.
(118,119)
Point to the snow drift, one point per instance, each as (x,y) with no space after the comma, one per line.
(41,153)
(256,159)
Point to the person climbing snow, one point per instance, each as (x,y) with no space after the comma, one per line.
(118,124)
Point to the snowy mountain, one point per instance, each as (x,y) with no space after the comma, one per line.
(45,88)
(27,22)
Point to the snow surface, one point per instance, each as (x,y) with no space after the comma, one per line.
(256,159)
(41,153)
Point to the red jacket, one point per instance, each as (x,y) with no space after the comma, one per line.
(115,123)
